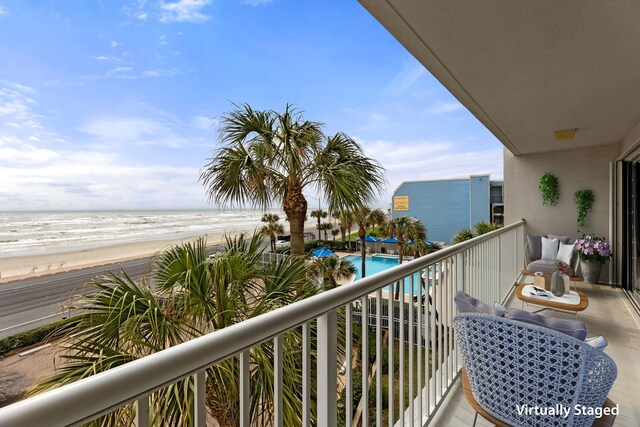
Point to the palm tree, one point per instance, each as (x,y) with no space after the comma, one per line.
(319,214)
(334,233)
(124,320)
(272,228)
(332,269)
(269,157)
(377,217)
(325,226)
(404,228)
(479,228)
(346,222)
(361,218)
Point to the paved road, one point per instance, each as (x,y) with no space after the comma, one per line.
(28,303)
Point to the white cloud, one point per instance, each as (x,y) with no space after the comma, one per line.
(377,117)
(204,123)
(406,78)
(184,11)
(42,170)
(104,58)
(3,11)
(163,40)
(120,69)
(115,44)
(444,107)
(16,103)
(258,2)
(435,159)
(155,129)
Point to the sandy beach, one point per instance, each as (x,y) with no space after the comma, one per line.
(13,268)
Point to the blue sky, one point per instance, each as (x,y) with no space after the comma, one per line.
(113,104)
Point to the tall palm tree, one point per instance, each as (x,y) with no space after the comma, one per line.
(269,157)
(319,214)
(124,320)
(346,222)
(404,228)
(334,233)
(325,226)
(377,217)
(272,228)
(332,269)
(361,218)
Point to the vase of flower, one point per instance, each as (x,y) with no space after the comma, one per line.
(593,252)
(560,279)
(591,270)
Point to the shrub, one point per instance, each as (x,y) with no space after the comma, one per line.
(34,336)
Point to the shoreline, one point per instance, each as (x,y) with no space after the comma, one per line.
(27,266)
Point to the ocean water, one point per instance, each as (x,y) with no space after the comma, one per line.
(33,233)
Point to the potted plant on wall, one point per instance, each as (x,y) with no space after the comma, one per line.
(593,252)
(584,202)
(549,189)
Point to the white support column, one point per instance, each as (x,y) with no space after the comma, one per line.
(327,370)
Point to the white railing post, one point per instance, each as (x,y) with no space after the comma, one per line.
(245,396)
(306,375)
(199,399)
(278,381)
(142,412)
(327,369)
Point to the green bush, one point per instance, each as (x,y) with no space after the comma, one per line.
(33,336)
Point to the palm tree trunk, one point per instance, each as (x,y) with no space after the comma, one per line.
(400,259)
(362,233)
(295,206)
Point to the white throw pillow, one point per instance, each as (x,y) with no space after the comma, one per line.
(564,253)
(549,248)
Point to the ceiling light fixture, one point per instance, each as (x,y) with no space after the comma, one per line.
(564,134)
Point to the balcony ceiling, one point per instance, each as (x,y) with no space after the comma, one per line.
(526,69)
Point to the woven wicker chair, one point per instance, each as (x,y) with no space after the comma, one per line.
(510,364)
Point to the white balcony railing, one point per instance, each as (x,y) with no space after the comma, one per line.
(420,326)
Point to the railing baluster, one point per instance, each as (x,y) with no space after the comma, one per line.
(401,353)
(441,330)
(349,369)
(142,412)
(419,305)
(411,350)
(446,315)
(327,368)
(379,357)
(278,404)
(245,387)
(365,361)
(427,346)
(392,341)
(306,374)
(435,326)
(200,398)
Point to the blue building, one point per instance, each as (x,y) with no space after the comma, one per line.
(446,206)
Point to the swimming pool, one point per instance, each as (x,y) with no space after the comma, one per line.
(377,263)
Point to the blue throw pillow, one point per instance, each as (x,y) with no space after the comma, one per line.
(467,304)
(574,328)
